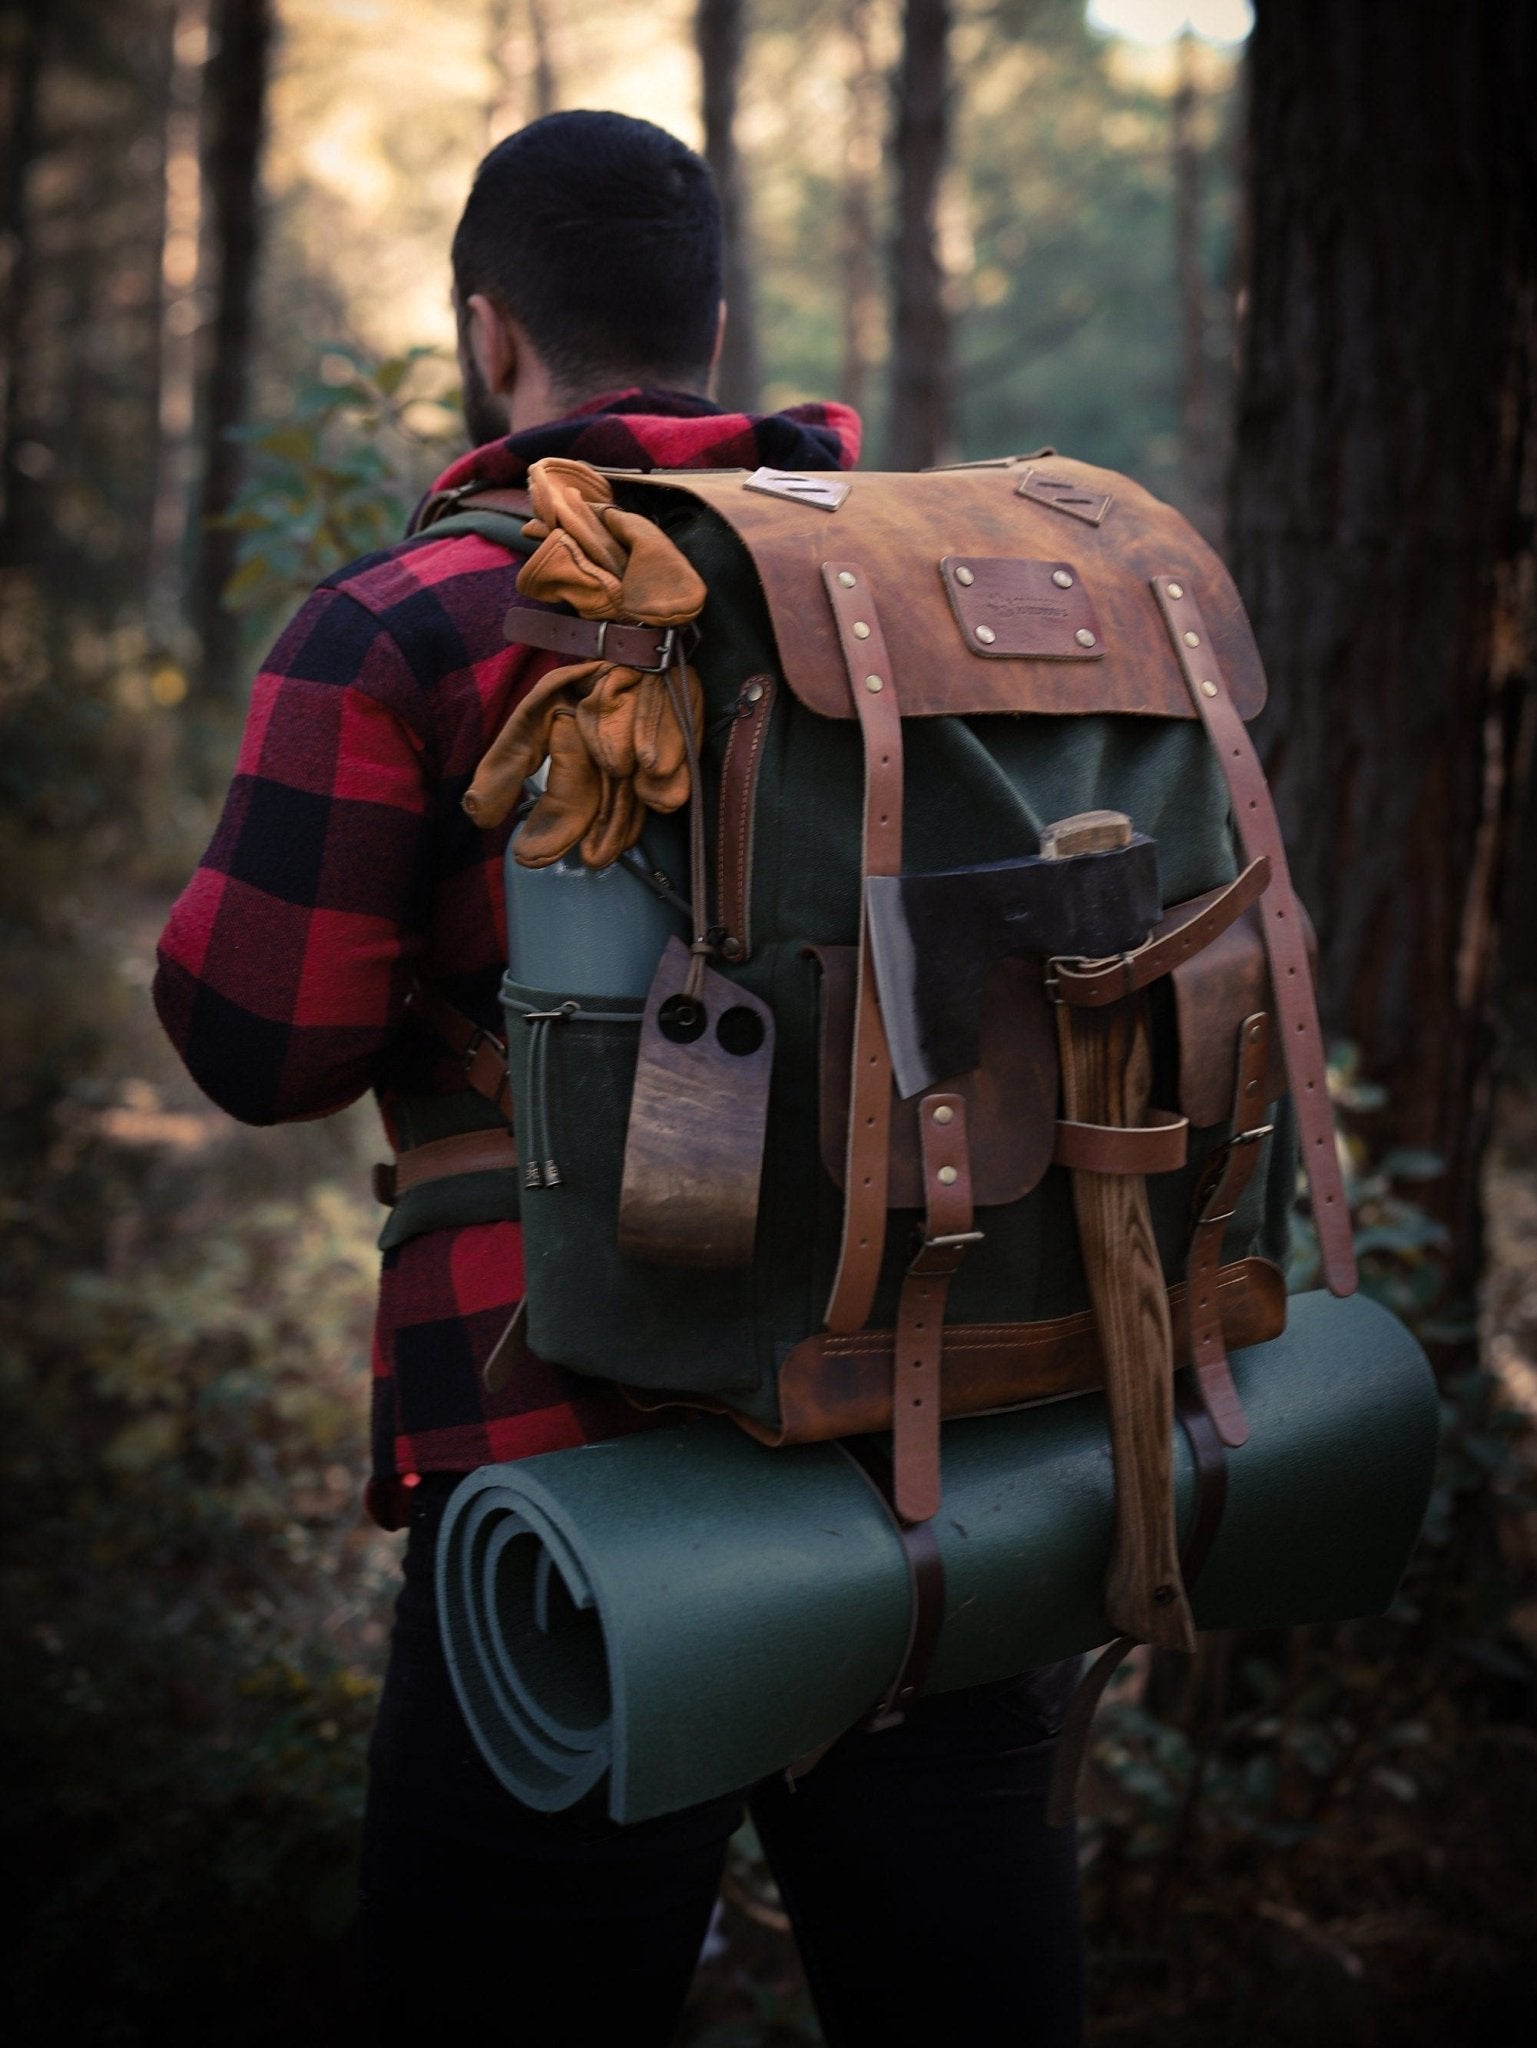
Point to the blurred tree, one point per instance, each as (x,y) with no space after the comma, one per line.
(21,51)
(234,99)
(919,428)
(861,168)
(523,61)
(1382,520)
(720,29)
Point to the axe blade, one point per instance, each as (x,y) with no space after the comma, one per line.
(934,937)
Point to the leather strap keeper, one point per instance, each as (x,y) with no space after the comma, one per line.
(1093,983)
(444,1158)
(920,1332)
(1160,1146)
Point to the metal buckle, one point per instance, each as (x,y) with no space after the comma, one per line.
(1217,1166)
(957,1240)
(666,650)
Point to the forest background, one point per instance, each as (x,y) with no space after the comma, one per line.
(1290,283)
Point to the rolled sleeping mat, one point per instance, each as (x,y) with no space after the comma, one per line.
(671,1617)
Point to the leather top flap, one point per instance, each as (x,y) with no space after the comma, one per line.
(1022,585)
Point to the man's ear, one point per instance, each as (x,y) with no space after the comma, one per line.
(493,343)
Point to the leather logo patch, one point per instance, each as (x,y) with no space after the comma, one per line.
(1051,487)
(826,493)
(1012,610)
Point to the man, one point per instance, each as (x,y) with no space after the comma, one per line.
(345,901)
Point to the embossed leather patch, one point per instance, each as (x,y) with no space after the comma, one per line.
(1063,494)
(1008,609)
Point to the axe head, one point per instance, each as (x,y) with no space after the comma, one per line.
(934,937)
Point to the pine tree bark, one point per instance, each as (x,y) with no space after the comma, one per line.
(861,168)
(720,32)
(1384,494)
(920,339)
(21,56)
(234,104)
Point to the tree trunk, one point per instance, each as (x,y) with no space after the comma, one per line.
(920,364)
(522,52)
(21,55)
(1384,492)
(1190,286)
(234,100)
(720,30)
(861,168)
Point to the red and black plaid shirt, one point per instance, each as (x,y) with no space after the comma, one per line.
(343,869)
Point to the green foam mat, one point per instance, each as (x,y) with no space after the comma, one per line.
(675,1615)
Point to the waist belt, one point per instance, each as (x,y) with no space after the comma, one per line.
(444,1159)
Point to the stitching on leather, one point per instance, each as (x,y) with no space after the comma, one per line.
(736,837)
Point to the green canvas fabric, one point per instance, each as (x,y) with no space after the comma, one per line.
(977,789)
(666,1618)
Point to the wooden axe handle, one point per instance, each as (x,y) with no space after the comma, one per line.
(1106,1079)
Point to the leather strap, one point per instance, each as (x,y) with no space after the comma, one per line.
(920,1331)
(481,1054)
(875,704)
(1216,1198)
(1159,1146)
(649,648)
(1090,984)
(469,497)
(1291,982)
(738,782)
(443,1159)
(926,1578)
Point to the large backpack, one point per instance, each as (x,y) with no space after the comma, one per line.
(908,681)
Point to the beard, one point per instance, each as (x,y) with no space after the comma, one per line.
(484,419)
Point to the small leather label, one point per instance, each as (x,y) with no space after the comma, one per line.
(826,493)
(1063,494)
(1008,609)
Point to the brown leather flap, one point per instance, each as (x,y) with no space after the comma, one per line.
(841,1386)
(1214,991)
(901,528)
(1011,1099)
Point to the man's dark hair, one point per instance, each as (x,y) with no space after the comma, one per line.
(602,235)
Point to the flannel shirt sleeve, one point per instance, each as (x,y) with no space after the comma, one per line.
(285,965)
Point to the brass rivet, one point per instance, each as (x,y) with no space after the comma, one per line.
(986,635)
(1192,639)
(1254,1032)
(1208,687)
(731,947)
(874,683)
(965,576)
(944,1114)
(1062,580)
(846,578)
(1084,637)
(1175,589)
(861,630)
(753,692)
(948,1176)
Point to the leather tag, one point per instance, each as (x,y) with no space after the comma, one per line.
(693,1158)
(1008,609)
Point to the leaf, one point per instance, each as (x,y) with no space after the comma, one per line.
(250,581)
(290,442)
(1408,1162)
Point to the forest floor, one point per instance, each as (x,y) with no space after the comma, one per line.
(196,1617)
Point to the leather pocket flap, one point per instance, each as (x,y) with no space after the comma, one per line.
(1011,1098)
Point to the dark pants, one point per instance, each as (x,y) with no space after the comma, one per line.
(930,1901)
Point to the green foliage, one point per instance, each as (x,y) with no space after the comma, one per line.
(337,477)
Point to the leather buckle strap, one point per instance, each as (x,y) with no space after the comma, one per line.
(926,1579)
(920,1332)
(650,649)
(1089,984)
(1291,981)
(873,691)
(1216,1199)
(480,1053)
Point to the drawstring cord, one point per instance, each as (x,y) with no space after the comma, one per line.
(541,1170)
